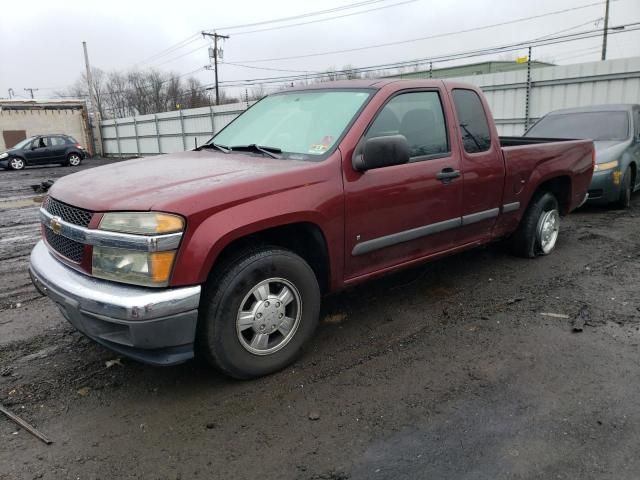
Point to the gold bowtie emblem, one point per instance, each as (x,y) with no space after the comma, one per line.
(56,225)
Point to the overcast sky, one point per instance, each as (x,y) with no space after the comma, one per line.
(41,41)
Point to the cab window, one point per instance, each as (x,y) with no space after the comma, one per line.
(420,118)
(474,127)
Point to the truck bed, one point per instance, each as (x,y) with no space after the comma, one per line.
(530,161)
(519,141)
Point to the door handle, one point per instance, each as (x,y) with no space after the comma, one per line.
(447,175)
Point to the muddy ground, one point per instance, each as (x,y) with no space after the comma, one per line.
(447,371)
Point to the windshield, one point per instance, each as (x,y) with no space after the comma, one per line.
(23,143)
(304,125)
(593,125)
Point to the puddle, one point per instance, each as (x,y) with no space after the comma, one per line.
(34,201)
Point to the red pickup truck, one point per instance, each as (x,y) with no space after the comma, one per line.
(227,249)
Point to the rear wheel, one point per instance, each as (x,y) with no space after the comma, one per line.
(73,160)
(625,190)
(539,228)
(16,163)
(258,312)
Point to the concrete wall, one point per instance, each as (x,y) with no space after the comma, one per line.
(44,121)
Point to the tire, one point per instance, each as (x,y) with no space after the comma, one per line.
(539,227)
(625,191)
(16,163)
(241,304)
(73,160)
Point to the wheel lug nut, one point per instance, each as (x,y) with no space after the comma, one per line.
(259,315)
(278,304)
(281,315)
(266,304)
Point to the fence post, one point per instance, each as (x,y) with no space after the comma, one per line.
(135,130)
(213,120)
(155,119)
(528,94)
(184,140)
(115,122)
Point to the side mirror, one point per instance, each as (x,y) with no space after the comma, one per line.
(382,152)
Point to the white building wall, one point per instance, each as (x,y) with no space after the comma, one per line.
(40,122)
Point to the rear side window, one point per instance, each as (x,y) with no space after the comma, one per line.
(419,117)
(56,141)
(474,127)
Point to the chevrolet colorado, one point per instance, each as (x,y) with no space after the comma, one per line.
(226,250)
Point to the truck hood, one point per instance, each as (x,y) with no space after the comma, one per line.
(162,182)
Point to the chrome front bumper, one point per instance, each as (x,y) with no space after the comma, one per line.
(155,326)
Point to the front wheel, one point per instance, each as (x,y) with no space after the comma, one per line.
(16,163)
(539,228)
(73,160)
(258,312)
(624,201)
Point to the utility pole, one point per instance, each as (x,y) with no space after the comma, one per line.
(11,93)
(606,31)
(215,37)
(527,101)
(31,90)
(93,100)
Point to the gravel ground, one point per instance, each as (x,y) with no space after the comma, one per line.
(447,371)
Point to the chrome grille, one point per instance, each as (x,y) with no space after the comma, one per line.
(64,246)
(70,214)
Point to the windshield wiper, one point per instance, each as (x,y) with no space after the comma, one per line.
(222,148)
(270,151)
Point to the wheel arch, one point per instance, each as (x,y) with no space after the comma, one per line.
(561,187)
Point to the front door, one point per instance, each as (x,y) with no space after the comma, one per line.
(38,152)
(404,212)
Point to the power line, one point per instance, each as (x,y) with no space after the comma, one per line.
(270,68)
(171,49)
(324,19)
(198,48)
(448,57)
(174,48)
(303,15)
(429,37)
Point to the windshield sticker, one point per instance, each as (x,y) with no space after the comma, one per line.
(318,148)
(323,146)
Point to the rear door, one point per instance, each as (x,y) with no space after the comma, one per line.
(58,148)
(399,213)
(483,168)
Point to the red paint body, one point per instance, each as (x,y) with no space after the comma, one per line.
(225,197)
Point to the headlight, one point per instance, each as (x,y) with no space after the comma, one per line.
(3,155)
(601,167)
(150,269)
(145,223)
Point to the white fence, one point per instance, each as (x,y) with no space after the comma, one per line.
(552,88)
(165,132)
(515,102)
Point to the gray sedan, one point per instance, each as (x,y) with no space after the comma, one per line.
(615,131)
